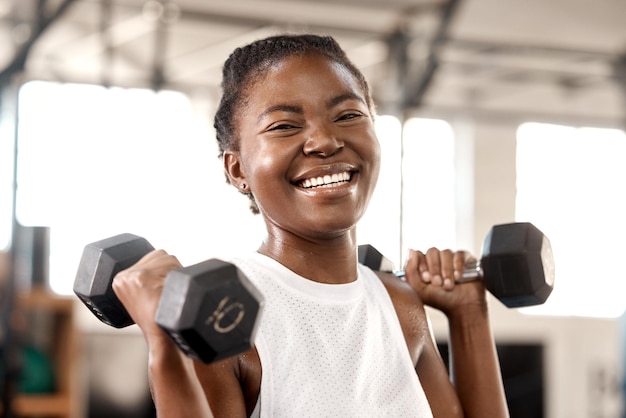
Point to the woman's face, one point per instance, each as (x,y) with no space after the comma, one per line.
(308,149)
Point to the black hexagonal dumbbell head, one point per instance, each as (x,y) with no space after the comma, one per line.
(100,262)
(371,257)
(517,264)
(210,310)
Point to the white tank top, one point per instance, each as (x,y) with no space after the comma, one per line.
(331,350)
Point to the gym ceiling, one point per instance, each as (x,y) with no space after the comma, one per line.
(543,59)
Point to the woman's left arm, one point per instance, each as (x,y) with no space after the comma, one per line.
(474,364)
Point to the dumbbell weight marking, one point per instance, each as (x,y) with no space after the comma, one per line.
(186,306)
(223,308)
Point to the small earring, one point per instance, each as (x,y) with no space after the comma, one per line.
(243,187)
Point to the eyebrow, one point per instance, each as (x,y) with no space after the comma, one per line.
(298,109)
(342,98)
(280,108)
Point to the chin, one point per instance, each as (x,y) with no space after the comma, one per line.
(332,228)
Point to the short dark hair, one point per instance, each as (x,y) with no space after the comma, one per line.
(249,62)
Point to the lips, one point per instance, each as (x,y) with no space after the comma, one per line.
(327,180)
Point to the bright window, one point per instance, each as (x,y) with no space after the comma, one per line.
(414,203)
(428,183)
(380,225)
(7,135)
(95,162)
(570,184)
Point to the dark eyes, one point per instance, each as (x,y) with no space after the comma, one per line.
(283,126)
(349,116)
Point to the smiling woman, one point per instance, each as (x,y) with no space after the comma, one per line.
(295,129)
(306,107)
(296,133)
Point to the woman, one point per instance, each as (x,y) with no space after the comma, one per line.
(296,133)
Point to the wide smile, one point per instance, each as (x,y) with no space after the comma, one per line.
(326,181)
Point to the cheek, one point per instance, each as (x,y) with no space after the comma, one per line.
(372,153)
(374,158)
(265,167)
(376,152)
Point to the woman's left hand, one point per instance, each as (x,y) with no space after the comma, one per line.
(434,277)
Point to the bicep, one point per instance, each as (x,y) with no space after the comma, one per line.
(429,365)
(222,388)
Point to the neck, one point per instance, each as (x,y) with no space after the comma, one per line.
(332,261)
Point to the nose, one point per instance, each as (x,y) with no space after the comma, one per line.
(322,142)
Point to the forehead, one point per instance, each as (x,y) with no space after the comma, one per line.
(308,76)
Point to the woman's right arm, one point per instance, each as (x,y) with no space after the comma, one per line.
(176,390)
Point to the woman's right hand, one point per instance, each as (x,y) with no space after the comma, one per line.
(139,289)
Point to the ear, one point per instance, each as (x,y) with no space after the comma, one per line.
(233,169)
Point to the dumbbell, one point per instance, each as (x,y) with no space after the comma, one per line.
(516,264)
(209,309)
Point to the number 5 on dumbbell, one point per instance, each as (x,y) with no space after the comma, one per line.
(516,264)
(209,309)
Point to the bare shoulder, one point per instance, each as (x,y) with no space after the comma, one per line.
(410,311)
(232,385)
(426,359)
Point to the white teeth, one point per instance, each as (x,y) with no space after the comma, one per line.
(326,181)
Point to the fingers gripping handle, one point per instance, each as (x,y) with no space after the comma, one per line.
(471,272)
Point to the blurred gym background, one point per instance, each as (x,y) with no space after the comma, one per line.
(489,112)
